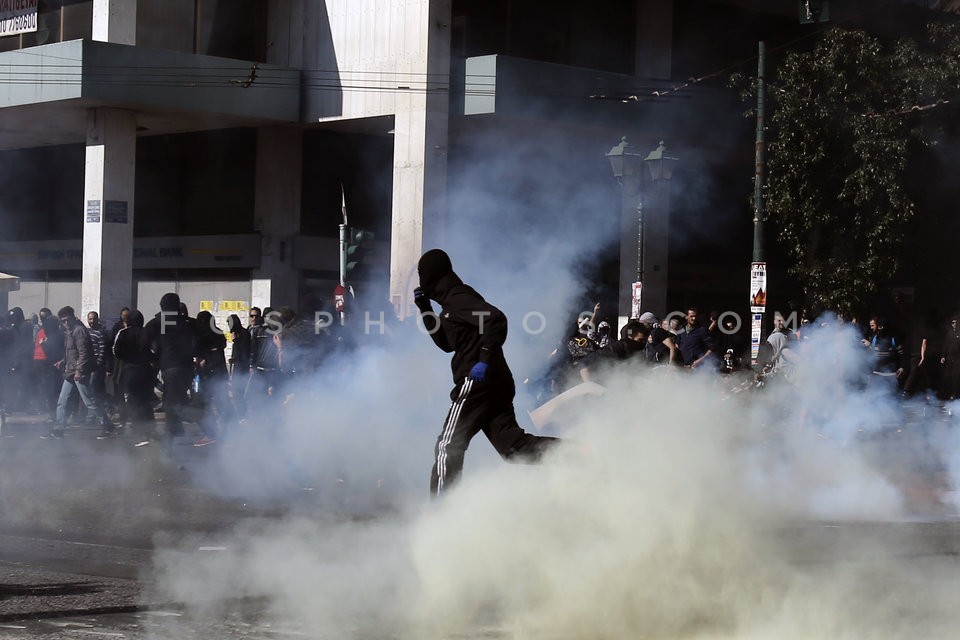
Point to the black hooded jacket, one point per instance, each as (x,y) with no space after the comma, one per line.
(173,338)
(470,327)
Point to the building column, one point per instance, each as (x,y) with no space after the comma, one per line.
(656,252)
(115,21)
(108,194)
(277,213)
(654,39)
(418,219)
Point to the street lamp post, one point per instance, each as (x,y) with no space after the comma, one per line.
(626,164)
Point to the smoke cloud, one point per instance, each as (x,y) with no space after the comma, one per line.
(678,508)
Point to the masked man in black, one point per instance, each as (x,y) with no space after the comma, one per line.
(482,398)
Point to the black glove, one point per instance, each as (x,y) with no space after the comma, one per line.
(422,300)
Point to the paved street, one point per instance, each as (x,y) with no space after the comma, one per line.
(83,520)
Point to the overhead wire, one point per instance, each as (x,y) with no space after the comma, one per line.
(353,80)
(692,81)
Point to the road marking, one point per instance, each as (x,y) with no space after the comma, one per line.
(211,548)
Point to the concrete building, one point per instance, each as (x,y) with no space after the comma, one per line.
(204,146)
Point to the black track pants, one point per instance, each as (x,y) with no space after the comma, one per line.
(487,407)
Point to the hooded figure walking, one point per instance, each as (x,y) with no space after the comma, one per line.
(482,398)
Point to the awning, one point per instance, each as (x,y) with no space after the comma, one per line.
(9,283)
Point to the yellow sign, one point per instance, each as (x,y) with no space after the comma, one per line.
(233,305)
(206,305)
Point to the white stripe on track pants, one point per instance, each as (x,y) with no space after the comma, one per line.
(488,407)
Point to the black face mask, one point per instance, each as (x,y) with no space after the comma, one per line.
(432,267)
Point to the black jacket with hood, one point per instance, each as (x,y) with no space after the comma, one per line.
(172,335)
(470,327)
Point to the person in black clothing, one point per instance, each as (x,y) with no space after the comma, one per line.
(102,360)
(131,349)
(240,339)
(661,344)
(212,368)
(633,341)
(264,364)
(950,361)
(888,356)
(173,339)
(119,325)
(119,393)
(19,359)
(730,346)
(695,342)
(482,399)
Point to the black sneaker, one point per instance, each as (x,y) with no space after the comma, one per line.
(53,435)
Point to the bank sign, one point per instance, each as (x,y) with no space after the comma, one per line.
(17,16)
(181,252)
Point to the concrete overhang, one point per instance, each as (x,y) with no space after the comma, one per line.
(46,91)
(9,283)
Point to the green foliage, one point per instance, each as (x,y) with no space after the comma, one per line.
(845,119)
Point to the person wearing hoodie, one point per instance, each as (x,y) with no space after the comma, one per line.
(172,336)
(482,397)
(17,367)
(633,341)
(131,351)
(212,369)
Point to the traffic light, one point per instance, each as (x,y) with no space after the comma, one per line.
(359,245)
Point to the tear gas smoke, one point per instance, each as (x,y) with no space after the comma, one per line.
(677,510)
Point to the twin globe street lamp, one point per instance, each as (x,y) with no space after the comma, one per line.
(626,164)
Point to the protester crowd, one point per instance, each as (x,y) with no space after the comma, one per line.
(73,372)
(917,357)
(76,372)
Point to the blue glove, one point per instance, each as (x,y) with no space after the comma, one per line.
(421,299)
(479,371)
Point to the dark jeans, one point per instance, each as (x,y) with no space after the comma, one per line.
(13,388)
(919,378)
(261,388)
(48,382)
(98,387)
(218,411)
(950,381)
(176,384)
(138,384)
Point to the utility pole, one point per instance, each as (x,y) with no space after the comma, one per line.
(340,292)
(758,268)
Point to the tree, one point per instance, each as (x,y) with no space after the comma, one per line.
(847,117)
